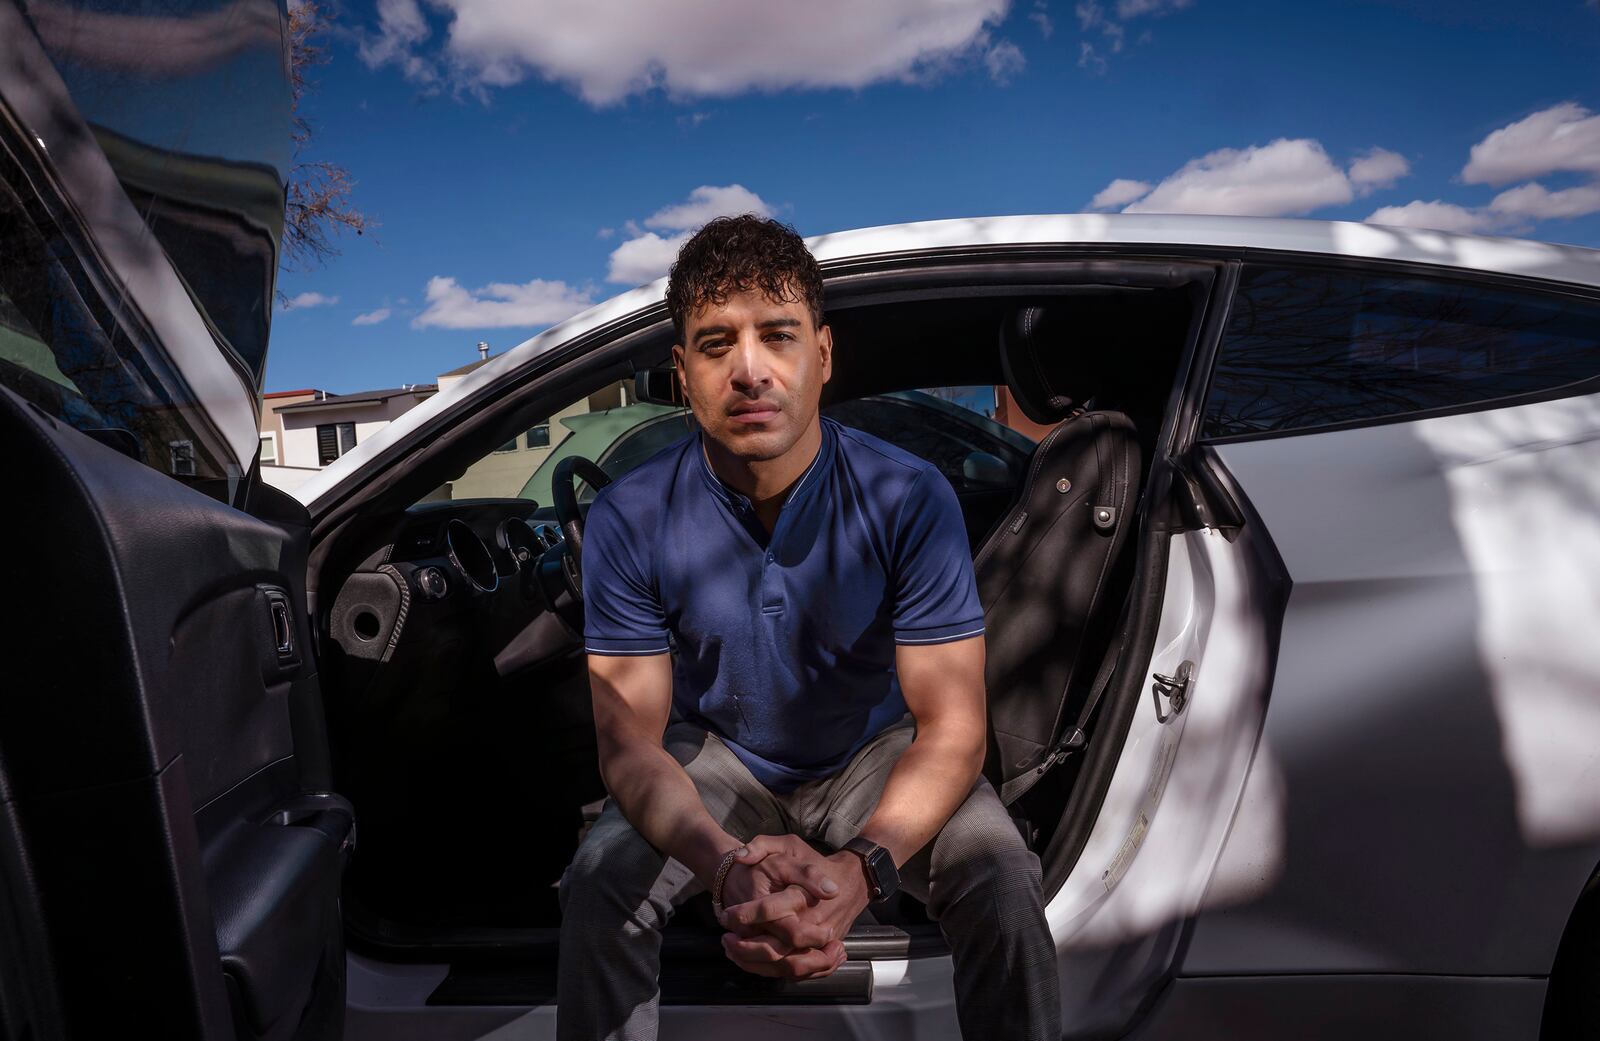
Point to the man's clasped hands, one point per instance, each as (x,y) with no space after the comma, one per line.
(787,907)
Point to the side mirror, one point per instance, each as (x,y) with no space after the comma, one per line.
(985,469)
(658,387)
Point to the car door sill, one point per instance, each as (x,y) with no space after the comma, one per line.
(683,982)
(385,941)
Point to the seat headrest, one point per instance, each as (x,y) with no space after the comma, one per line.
(1045,372)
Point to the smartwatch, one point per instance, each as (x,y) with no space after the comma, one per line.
(882,878)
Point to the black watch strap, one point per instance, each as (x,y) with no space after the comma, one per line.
(883,880)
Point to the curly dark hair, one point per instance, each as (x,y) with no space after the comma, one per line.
(737,254)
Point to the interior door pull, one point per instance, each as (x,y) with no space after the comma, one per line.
(281,629)
(326,812)
(280,616)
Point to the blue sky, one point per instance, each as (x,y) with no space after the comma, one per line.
(524,158)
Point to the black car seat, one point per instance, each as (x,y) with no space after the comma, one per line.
(1042,571)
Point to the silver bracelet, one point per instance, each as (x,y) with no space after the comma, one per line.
(722,876)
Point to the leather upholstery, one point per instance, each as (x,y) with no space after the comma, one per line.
(1045,573)
(1048,373)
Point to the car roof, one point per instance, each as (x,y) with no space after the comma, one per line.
(1348,239)
(1171,233)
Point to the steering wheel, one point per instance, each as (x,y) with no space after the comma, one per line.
(564,492)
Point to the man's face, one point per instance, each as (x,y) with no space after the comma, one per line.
(753,369)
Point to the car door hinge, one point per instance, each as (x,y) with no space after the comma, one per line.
(1174,688)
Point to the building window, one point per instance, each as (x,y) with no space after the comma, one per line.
(509,446)
(334,440)
(539,436)
(180,458)
(269,450)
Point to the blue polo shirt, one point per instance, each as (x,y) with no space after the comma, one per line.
(784,646)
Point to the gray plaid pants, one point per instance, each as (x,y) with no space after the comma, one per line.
(978,879)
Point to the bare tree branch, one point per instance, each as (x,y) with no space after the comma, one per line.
(319,206)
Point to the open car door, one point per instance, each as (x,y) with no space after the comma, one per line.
(172,853)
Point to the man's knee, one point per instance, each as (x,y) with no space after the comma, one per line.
(990,866)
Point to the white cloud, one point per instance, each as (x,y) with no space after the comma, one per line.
(1440,216)
(645,258)
(609,49)
(1564,137)
(647,255)
(1119,192)
(1092,16)
(372,317)
(401,30)
(706,202)
(1040,16)
(498,305)
(1004,61)
(1279,179)
(1379,168)
(1536,202)
(1135,8)
(303,300)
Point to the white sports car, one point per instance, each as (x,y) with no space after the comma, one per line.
(1308,743)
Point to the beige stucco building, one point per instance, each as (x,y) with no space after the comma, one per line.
(502,473)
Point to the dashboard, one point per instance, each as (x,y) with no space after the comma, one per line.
(459,583)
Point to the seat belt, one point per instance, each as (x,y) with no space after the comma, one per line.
(1077,737)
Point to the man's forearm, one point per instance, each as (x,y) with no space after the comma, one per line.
(929,783)
(663,805)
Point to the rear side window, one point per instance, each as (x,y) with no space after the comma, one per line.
(1309,348)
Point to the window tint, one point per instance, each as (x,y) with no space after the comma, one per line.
(949,428)
(202,147)
(1308,348)
(644,441)
(64,350)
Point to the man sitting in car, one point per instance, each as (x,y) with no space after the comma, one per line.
(786,652)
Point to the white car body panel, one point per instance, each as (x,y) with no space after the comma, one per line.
(1119,916)
(1406,821)
(1136,233)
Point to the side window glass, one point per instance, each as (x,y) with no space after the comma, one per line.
(951,427)
(1309,348)
(523,466)
(641,443)
(63,350)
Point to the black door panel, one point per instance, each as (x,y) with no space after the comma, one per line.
(161,734)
